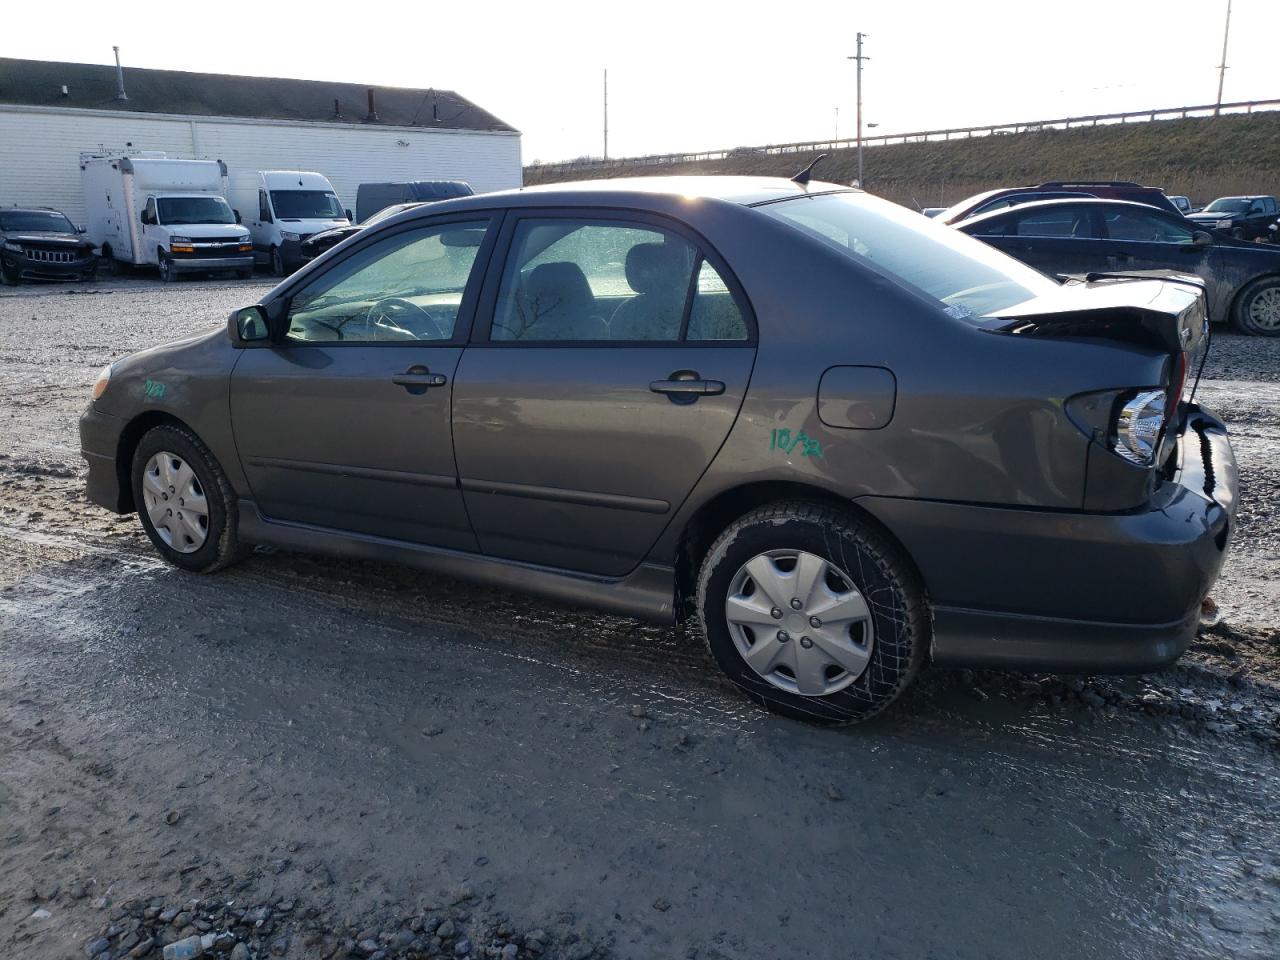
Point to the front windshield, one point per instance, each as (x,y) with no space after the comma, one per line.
(1228,205)
(306,205)
(967,277)
(34,221)
(189,210)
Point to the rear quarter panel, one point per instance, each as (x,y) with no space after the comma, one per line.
(978,418)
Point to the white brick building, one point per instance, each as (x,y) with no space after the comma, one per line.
(52,112)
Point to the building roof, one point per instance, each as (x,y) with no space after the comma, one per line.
(39,83)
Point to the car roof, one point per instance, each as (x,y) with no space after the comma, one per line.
(1050,204)
(30,210)
(742,190)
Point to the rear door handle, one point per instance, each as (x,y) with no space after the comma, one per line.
(418,379)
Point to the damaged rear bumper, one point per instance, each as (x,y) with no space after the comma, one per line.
(1076,592)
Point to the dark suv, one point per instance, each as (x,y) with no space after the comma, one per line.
(1244,218)
(42,244)
(848,437)
(1057,190)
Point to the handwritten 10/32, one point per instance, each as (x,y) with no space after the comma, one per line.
(783,439)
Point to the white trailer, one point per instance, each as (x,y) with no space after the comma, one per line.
(173,214)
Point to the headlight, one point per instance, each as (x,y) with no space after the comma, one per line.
(100,385)
(286,235)
(1138,426)
(179,239)
(1223,225)
(15,247)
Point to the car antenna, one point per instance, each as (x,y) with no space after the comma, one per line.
(803,176)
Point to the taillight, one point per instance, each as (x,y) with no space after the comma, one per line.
(1139,423)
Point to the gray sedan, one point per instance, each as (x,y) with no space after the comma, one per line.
(847,438)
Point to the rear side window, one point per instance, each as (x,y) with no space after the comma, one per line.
(1060,222)
(966,276)
(569,280)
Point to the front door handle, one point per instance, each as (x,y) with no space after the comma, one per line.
(418,379)
(686,386)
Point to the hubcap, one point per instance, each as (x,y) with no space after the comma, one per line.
(175,502)
(821,609)
(1264,308)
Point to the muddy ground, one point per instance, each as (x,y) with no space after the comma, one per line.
(307,757)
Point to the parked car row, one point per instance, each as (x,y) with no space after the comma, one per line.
(188,217)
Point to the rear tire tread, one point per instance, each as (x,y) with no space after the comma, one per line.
(877,549)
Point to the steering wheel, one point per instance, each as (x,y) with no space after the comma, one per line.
(394,311)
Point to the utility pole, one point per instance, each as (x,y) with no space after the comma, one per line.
(1222,67)
(606,113)
(837,129)
(859,57)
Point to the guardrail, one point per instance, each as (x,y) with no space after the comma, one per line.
(923,136)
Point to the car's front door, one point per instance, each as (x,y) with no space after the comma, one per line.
(612,358)
(1136,238)
(344,423)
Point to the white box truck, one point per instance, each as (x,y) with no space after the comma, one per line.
(169,213)
(283,208)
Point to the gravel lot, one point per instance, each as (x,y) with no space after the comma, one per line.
(306,757)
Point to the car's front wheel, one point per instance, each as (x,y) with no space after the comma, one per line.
(184,500)
(277,263)
(167,273)
(8,277)
(813,612)
(1257,309)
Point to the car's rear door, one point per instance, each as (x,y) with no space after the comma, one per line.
(345,423)
(612,354)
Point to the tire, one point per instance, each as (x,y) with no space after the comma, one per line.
(1257,308)
(7,279)
(1237,233)
(220,547)
(871,572)
(245,274)
(167,273)
(277,263)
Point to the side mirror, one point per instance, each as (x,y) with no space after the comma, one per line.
(349,216)
(238,218)
(82,229)
(248,326)
(1202,238)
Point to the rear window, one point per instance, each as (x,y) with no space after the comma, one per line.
(967,277)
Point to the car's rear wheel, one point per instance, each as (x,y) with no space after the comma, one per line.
(184,500)
(813,612)
(1257,309)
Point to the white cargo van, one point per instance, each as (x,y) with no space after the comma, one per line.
(282,208)
(172,214)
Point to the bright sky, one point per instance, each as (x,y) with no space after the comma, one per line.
(701,75)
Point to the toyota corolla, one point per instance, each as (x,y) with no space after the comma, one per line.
(848,438)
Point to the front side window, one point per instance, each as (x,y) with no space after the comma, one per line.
(149,211)
(264,208)
(194,210)
(407,288)
(575,281)
(306,205)
(1139,225)
(966,276)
